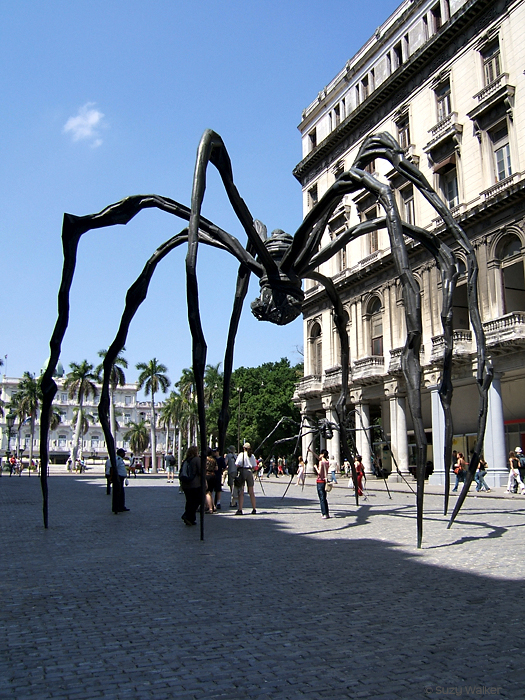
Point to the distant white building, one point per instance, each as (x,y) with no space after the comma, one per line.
(446,79)
(92,444)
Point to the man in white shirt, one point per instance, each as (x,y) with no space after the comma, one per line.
(247,462)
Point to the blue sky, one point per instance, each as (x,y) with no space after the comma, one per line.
(105,99)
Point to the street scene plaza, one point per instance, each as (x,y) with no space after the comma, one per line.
(279,605)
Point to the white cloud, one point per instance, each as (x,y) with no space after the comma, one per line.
(85,126)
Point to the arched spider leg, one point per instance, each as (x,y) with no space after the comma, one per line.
(385,146)
(340,407)
(212,150)
(73,229)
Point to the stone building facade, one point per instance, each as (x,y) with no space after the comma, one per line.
(446,79)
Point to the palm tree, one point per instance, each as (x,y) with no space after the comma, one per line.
(29,396)
(151,379)
(80,383)
(55,418)
(170,414)
(116,378)
(189,416)
(138,437)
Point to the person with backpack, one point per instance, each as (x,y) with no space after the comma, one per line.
(190,483)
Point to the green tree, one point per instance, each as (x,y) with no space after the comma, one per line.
(138,437)
(264,396)
(170,415)
(29,396)
(152,378)
(80,385)
(213,384)
(116,378)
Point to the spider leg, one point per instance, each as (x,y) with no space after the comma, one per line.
(340,408)
(384,146)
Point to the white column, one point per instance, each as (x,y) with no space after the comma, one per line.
(438,438)
(306,442)
(398,432)
(363,435)
(334,445)
(494,448)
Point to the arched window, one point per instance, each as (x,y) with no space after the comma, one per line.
(375,313)
(316,349)
(512,273)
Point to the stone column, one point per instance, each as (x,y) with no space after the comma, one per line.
(363,435)
(438,438)
(307,441)
(334,445)
(398,432)
(494,447)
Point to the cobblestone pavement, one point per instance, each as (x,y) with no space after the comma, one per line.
(276,606)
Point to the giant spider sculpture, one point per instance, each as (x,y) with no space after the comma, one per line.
(281,262)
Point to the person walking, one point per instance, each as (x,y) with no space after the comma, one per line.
(119,500)
(301,472)
(360,471)
(190,482)
(169,463)
(322,474)
(333,470)
(481,484)
(514,474)
(247,462)
(460,469)
(232,471)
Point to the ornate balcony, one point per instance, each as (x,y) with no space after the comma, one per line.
(447,128)
(332,379)
(368,370)
(462,346)
(308,387)
(497,91)
(505,333)
(394,366)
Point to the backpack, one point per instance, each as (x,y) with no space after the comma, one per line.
(186,474)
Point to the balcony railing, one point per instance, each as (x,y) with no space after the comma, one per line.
(368,368)
(308,386)
(462,345)
(508,329)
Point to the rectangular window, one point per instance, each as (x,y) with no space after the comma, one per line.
(62,440)
(449,185)
(313,197)
(397,56)
(371,167)
(403,133)
(499,137)
(491,62)
(127,418)
(377,335)
(437,19)
(443,100)
(407,198)
(337,115)
(312,138)
(365,88)
(128,400)
(95,441)
(63,398)
(373,239)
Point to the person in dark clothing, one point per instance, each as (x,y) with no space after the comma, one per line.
(221,466)
(192,490)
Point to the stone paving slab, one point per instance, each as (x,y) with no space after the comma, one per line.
(278,606)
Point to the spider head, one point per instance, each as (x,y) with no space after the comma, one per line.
(281,297)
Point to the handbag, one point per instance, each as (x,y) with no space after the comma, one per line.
(328,486)
(238,479)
